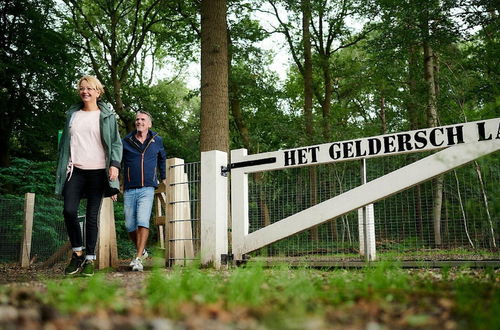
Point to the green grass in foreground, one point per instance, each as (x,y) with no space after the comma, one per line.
(281,297)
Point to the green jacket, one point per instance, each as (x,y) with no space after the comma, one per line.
(110,140)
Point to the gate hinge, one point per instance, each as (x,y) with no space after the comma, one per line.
(225,259)
(224,170)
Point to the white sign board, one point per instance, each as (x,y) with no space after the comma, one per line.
(383,145)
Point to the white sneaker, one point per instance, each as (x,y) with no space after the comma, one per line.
(137,267)
(143,257)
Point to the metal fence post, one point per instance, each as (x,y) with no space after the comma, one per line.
(214,206)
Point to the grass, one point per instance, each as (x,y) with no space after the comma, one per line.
(292,298)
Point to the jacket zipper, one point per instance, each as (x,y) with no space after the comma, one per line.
(142,157)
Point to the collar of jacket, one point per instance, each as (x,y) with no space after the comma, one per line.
(151,134)
(106,109)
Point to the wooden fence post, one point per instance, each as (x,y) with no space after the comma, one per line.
(107,252)
(29,210)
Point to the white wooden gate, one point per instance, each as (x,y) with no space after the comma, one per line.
(462,143)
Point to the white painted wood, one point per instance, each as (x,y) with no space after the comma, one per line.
(29,211)
(172,248)
(367,214)
(187,228)
(239,205)
(366,224)
(370,192)
(443,136)
(178,209)
(214,208)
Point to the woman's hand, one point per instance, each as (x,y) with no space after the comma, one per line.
(113,173)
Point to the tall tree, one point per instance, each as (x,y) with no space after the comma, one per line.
(214,133)
(330,33)
(37,66)
(118,37)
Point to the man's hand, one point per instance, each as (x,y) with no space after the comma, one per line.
(114,198)
(113,173)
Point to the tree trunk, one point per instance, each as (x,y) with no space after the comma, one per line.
(327,100)
(432,120)
(119,106)
(383,120)
(214,133)
(415,123)
(308,102)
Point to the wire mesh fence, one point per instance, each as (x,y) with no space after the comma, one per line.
(48,233)
(404,223)
(11,227)
(184,224)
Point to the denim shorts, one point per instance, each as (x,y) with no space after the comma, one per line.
(138,204)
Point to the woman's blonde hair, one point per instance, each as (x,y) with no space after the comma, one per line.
(92,81)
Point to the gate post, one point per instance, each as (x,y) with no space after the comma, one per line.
(214,207)
(239,206)
(366,224)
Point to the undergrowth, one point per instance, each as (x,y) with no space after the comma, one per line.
(285,297)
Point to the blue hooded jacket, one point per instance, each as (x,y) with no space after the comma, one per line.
(141,162)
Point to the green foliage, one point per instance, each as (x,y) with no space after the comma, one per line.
(165,292)
(245,286)
(25,175)
(175,111)
(37,67)
(79,295)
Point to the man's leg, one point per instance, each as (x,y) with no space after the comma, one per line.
(133,237)
(144,208)
(130,209)
(142,238)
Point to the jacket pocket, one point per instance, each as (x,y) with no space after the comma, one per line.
(128,173)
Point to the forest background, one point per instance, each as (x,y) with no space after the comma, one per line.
(351,68)
(354,68)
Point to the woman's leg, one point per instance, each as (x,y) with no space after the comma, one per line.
(94,189)
(72,193)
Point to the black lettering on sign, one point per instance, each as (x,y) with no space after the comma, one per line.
(347,149)
(334,154)
(289,157)
(301,153)
(433,138)
(358,149)
(389,144)
(374,146)
(455,132)
(313,150)
(404,142)
(420,140)
(482,132)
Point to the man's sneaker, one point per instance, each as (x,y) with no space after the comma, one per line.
(88,268)
(143,257)
(75,265)
(137,267)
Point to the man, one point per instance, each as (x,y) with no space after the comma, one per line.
(143,157)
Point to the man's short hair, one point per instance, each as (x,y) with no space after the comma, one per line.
(146,113)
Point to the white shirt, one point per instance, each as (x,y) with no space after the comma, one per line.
(87,151)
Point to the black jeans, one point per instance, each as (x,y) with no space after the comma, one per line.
(88,184)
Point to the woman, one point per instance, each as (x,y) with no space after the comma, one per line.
(90,152)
